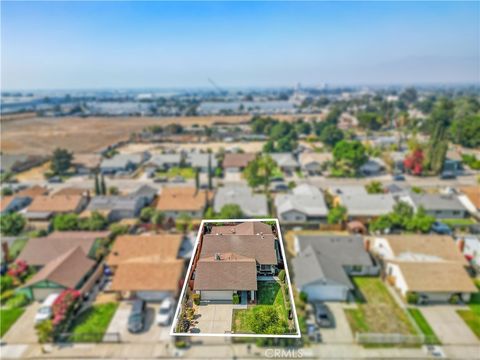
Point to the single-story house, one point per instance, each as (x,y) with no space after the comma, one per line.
(252,205)
(70,270)
(373,166)
(146,193)
(285,161)
(122,163)
(364,207)
(86,164)
(304,203)
(146,266)
(431,266)
(440,206)
(43,208)
(313,163)
(40,251)
(33,192)
(72,191)
(236,162)
(230,260)
(174,201)
(13,203)
(324,263)
(347,121)
(115,208)
(200,161)
(470,198)
(164,161)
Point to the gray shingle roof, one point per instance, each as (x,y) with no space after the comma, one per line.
(113,203)
(305,199)
(122,160)
(437,202)
(198,160)
(161,160)
(285,159)
(252,205)
(322,258)
(368,204)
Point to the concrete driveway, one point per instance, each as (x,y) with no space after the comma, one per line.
(449,327)
(340,333)
(214,318)
(23,331)
(151,333)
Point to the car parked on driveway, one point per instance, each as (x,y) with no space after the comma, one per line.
(136,320)
(45,311)
(323,316)
(441,228)
(165,312)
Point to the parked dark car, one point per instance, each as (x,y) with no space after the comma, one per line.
(323,316)
(441,228)
(136,320)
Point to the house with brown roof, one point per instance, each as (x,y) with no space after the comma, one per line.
(470,198)
(33,192)
(231,258)
(70,270)
(146,266)
(236,162)
(38,252)
(43,208)
(174,201)
(430,266)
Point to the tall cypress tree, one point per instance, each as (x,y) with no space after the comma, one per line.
(97,185)
(103,187)
(210,172)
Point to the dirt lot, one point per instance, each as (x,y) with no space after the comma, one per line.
(84,135)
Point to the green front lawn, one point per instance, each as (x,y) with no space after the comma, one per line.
(17,246)
(8,318)
(269,316)
(431,337)
(377,310)
(187,172)
(458,222)
(91,325)
(472,316)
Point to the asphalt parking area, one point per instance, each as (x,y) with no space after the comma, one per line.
(449,327)
(23,331)
(340,333)
(151,333)
(214,318)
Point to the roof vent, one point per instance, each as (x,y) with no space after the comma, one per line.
(217,256)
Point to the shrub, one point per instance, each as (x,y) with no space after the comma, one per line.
(6,283)
(183,326)
(412,298)
(454,299)
(45,331)
(180,344)
(281,275)
(7,295)
(286,293)
(303,296)
(18,270)
(196,299)
(63,307)
(236,299)
(17,301)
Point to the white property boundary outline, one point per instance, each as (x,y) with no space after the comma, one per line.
(290,292)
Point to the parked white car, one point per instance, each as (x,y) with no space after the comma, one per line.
(45,311)
(165,312)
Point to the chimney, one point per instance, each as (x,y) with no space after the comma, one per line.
(461,244)
(217,257)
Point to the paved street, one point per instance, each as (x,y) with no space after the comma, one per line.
(448,326)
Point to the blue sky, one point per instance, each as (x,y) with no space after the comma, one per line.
(48,45)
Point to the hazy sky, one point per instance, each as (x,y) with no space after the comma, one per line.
(47,45)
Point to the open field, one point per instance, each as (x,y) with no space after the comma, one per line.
(82,135)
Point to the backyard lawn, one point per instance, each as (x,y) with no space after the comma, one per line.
(91,325)
(186,173)
(430,336)
(270,299)
(8,318)
(377,311)
(472,316)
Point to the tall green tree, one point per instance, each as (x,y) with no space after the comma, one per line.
(349,156)
(337,215)
(197,179)
(331,135)
(210,172)
(374,187)
(66,222)
(103,186)
(61,161)
(98,190)
(259,172)
(230,211)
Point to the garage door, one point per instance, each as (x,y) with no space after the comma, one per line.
(41,294)
(326,292)
(217,295)
(153,295)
